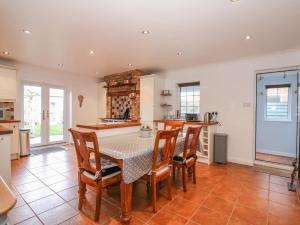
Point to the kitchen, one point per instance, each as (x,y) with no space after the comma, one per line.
(115,79)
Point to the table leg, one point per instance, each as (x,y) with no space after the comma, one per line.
(126,201)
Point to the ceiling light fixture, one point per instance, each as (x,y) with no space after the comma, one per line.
(145,32)
(26,31)
(129,64)
(234,0)
(5,53)
(97,73)
(248,37)
(179,53)
(60,65)
(92,52)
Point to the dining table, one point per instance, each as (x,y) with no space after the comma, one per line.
(133,154)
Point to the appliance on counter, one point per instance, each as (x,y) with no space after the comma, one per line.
(220,148)
(191,117)
(210,117)
(3,113)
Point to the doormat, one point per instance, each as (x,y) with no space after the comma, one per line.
(47,150)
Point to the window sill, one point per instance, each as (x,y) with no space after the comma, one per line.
(280,121)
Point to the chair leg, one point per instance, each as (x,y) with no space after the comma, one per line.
(170,187)
(174,172)
(154,194)
(98,203)
(82,188)
(183,178)
(194,173)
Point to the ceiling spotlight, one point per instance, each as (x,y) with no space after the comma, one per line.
(92,52)
(145,32)
(179,53)
(26,31)
(97,73)
(60,65)
(130,65)
(234,0)
(5,53)
(248,37)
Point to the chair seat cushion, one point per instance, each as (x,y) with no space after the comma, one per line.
(180,159)
(108,169)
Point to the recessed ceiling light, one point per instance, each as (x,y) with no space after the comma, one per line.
(129,64)
(60,65)
(97,73)
(234,0)
(145,32)
(248,37)
(5,53)
(92,52)
(26,31)
(179,53)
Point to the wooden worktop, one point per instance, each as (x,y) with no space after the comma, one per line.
(200,123)
(4,130)
(8,199)
(10,121)
(104,126)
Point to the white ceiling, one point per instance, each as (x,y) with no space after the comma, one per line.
(205,31)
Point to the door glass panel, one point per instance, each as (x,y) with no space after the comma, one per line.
(56,114)
(33,112)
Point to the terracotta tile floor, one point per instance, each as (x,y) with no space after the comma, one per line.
(46,188)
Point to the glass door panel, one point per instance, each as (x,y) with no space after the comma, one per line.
(55,114)
(32,109)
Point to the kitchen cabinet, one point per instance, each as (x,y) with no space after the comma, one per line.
(8,84)
(150,99)
(5,165)
(15,143)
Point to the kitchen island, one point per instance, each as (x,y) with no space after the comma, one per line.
(111,128)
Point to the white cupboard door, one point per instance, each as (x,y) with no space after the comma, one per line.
(8,84)
(15,149)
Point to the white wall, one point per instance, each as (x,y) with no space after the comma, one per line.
(75,84)
(229,88)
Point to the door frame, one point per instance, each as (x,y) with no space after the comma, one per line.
(265,163)
(45,102)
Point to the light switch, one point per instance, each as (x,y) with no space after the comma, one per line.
(246,104)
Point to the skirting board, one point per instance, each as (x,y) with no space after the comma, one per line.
(265,151)
(240,161)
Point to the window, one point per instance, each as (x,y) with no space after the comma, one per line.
(278,102)
(189,98)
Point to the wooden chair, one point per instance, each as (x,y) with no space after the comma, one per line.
(162,166)
(95,171)
(174,124)
(187,160)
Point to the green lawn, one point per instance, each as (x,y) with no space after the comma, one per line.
(55,129)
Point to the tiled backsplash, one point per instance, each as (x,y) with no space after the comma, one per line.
(119,104)
(10,109)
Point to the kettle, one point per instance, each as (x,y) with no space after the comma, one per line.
(207,117)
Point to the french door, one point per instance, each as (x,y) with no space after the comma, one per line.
(44,113)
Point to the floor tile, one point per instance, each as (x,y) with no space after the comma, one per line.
(46,203)
(282,189)
(220,205)
(53,179)
(57,215)
(69,194)
(182,207)
(206,216)
(284,199)
(20,214)
(20,201)
(253,202)
(62,185)
(163,218)
(37,194)
(249,215)
(31,221)
(24,188)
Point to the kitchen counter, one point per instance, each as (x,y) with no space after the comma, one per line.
(200,123)
(4,130)
(8,201)
(10,121)
(105,126)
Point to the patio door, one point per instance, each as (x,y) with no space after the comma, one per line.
(44,113)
